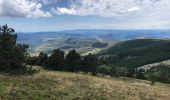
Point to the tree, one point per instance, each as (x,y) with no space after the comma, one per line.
(42,59)
(31,60)
(105,70)
(56,60)
(12,54)
(73,60)
(90,63)
(160,73)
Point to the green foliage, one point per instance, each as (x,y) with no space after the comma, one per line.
(160,73)
(135,53)
(120,71)
(105,70)
(31,60)
(56,60)
(12,54)
(73,60)
(151,76)
(42,59)
(90,63)
(134,44)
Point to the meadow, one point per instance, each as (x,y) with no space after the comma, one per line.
(53,85)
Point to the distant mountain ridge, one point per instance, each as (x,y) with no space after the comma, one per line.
(84,39)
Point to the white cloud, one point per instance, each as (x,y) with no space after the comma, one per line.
(106,8)
(22,8)
(130,13)
(112,8)
(133,9)
(64,11)
(125,13)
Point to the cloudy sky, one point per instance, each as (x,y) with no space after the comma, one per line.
(54,15)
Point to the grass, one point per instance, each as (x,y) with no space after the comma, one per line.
(50,85)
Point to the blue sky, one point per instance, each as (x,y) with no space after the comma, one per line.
(54,15)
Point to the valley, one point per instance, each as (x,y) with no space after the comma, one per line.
(84,41)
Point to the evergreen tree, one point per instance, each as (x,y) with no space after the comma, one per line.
(73,60)
(90,63)
(12,54)
(56,60)
(42,59)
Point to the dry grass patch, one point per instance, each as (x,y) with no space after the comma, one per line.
(51,85)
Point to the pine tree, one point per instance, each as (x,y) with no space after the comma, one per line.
(73,60)
(42,59)
(56,60)
(12,54)
(90,63)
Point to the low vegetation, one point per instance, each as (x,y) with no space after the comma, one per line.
(52,85)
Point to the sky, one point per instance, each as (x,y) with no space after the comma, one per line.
(55,15)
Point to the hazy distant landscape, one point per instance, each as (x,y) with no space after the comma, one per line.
(84,41)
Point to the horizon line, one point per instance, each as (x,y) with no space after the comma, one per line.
(149,29)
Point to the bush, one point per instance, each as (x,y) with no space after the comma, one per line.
(121,71)
(105,70)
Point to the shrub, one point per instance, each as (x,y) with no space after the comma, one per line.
(105,70)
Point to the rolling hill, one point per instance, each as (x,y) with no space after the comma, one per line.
(139,52)
(84,40)
(50,85)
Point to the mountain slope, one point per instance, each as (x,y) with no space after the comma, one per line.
(84,40)
(51,85)
(135,53)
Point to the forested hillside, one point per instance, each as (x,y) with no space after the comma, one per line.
(135,53)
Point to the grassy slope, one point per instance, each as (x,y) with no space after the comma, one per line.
(48,85)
